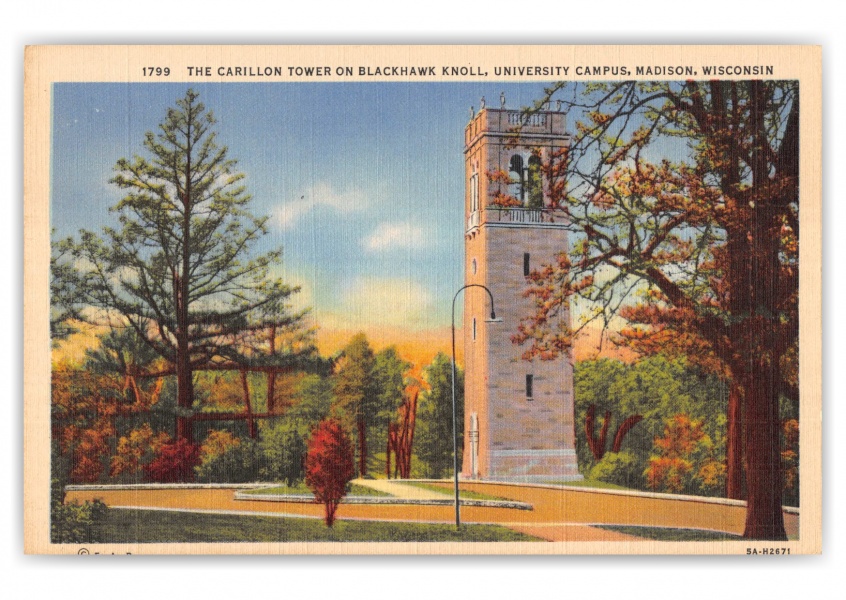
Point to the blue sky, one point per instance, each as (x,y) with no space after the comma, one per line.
(363,182)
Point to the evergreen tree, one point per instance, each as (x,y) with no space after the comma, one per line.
(389,379)
(356,393)
(179,269)
(434,421)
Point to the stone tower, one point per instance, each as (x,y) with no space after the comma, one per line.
(518,416)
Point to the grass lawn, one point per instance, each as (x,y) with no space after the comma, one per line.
(667,534)
(448,490)
(302,489)
(145,526)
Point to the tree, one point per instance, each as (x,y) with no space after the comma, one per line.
(356,392)
(329,466)
(66,297)
(389,380)
(684,461)
(592,390)
(434,429)
(654,389)
(123,353)
(314,397)
(283,452)
(174,463)
(178,270)
(708,244)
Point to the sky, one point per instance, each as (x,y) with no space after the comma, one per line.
(363,182)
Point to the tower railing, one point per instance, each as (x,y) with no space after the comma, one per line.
(515,214)
(532,120)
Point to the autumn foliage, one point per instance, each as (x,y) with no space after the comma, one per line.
(683,460)
(174,463)
(699,255)
(329,466)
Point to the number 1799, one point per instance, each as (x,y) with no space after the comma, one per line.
(157,71)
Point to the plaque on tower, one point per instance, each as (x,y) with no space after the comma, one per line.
(302,300)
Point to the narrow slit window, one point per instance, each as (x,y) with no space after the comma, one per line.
(530,380)
(474,328)
(526,259)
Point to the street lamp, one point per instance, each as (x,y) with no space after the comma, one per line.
(493,319)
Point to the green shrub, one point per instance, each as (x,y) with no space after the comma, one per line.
(620,468)
(76,523)
(283,452)
(236,463)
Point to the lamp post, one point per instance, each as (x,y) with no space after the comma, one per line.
(493,319)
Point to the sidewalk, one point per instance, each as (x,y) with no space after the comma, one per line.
(400,490)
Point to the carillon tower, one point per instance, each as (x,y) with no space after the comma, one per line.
(518,414)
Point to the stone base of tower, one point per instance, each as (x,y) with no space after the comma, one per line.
(533,466)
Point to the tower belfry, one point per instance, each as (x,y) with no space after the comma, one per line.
(518,414)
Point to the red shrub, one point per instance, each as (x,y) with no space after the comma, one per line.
(174,463)
(329,465)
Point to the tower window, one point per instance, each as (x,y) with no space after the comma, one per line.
(474,266)
(474,190)
(474,328)
(535,183)
(526,264)
(529,385)
(519,186)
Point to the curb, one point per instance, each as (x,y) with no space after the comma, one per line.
(166,486)
(793,510)
(385,500)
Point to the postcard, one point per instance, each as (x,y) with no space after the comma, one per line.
(422,299)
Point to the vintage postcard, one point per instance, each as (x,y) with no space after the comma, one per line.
(410,299)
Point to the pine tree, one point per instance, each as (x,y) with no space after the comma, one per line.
(356,392)
(434,429)
(179,269)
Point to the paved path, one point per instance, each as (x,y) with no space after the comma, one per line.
(400,490)
(558,515)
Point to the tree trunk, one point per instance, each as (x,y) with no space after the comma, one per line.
(388,456)
(590,417)
(331,507)
(248,406)
(623,429)
(271,391)
(603,434)
(271,375)
(734,443)
(764,517)
(362,449)
(185,396)
(184,376)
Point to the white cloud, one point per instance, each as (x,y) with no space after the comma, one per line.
(320,195)
(394,235)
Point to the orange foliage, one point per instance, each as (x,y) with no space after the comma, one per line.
(137,449)
(84,408)
(683,453)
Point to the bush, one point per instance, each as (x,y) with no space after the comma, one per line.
(227,459)
(136,450)
(329,465)
(620,468)
(283,452)
(76,523)
(683,460)
(174,463)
